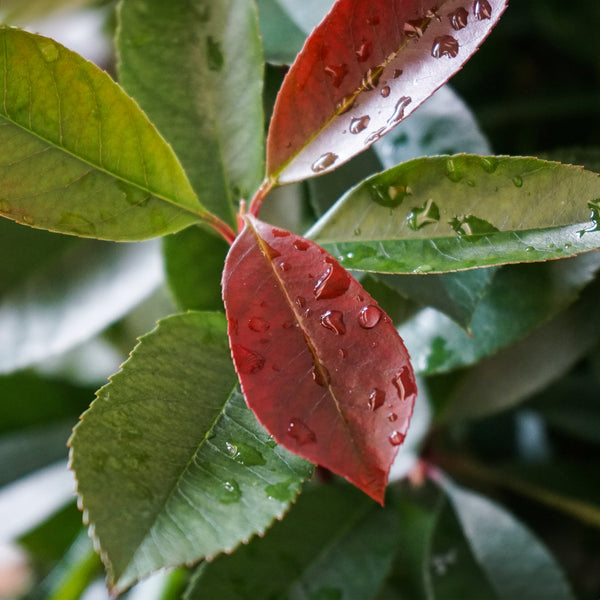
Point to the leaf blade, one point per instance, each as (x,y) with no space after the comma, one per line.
(292,309)
(411,47)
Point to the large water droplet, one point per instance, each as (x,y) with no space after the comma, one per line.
(280,233)
(244,454)
(48,49)
(390,196)
(428,214)
(270,252)
(482,10)
(298,430)
(230,492)
(444,45)
(459,18)
(282,491)
(324,162)
(321,375)
(404,384)
(259,325)
(359,124)
(336,73)
(470,227)
(364,51)
(248,361)
(453,172)
(300,244)
(489,163)
(398,113)
(371,79)
(396,438)
(334,321)
(369,316)
(385,91)
(333,283)
(594,218)
(376,399)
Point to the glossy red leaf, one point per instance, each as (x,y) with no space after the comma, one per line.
(321,365)
(365,68)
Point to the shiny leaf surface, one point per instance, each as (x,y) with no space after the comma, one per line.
(370,64)
(321,365)
(457,212)
(101,168)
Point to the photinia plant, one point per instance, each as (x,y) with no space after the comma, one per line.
(187,454)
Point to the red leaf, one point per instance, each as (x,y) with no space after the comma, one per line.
(365,68)
(321,365)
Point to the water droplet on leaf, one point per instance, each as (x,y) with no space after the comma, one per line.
(324,162)
(244,454)
(482,10)
(333,283)
(248,361)
(280,233)
(518,181)
(489,163)
(470,227)
(392,417)
(453,173)
(459,18)
(385,91)
(270,252)
(376,399)
(413,29)
(48,49)
(428,214)
(404,384)
(301,245)
(444,45)
(376,135)
(230,493)
(369,316)
(398,113)
(285,266)
(359,124)
(396,438)
(259,325)
(321,375)
(397,73)
(365,50)
(214,54)
(281,491)
(334,321)
(299,431)
(336,73)
(371,79)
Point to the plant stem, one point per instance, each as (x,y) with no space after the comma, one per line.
(221,227)
(261,193)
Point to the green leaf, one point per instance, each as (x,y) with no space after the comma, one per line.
(519,299)
(171,465)
(194,261)
(456,212)
(282,38)
(77,155)
(506,551)
(75,296)
(335,543)
(520,370)
(197,71)
(455,294)
(17,11)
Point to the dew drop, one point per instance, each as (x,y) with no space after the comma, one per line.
(287,324)
(321,376)
(284,266)
(404,384)
(376,399)
(398,113)
(365,50)
(333,283)
(357,231)
(453,173)
(374,20)
(301,432)
(482,10)
(397,73)
(48,49)
(459,18)
(413,29)
(489,163)
(392,417)
(334,321)
(385,91)
(27,219)
(300,302)
(444,45)
(230,492)
(336,73)
(369,316)
(247,361)
(470,227)
(301,244)
(259,325)
(270,252)
(359,124)
(518,181)
(371,79)
(280,491)
(396,438)
(428,214)
(244,454)
(324,162)
(342,353)
(5,207)
(375,135)
(344,105)
(280,233)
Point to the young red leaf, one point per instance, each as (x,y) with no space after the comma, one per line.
(321,365)
(365,68)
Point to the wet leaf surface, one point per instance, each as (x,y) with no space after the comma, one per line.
(370,64)
(321,365)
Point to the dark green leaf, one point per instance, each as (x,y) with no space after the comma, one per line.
(456,212)
(335,543)
(506,551)
(519,299)
(282,38)
(171,465)
(19,12)
(77,155)
(196,69)
(194,261)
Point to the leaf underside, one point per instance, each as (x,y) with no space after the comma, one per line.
(370,64)
(321,365)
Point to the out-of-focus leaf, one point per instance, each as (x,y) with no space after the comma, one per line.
(19,12)
(499,382)
(519,299)
(455,212)
(194,261)
(442,125)
(306,14)
(82,158)
(455,294)
(504,550)
(78,295)
(282,38)
(370,64)
(320,363)
(196,70)
(334,543)
(171,466)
